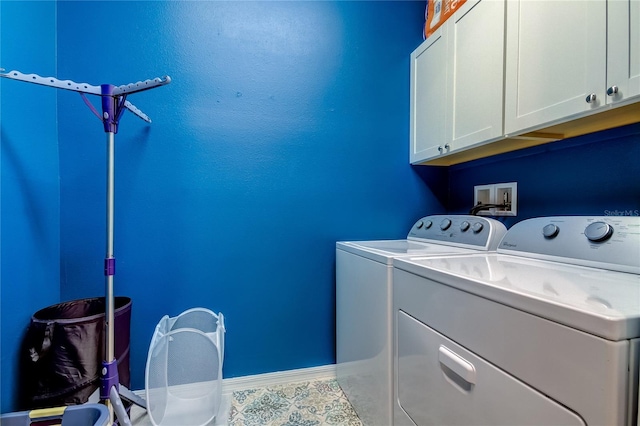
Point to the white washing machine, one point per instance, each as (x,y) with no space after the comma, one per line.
(546,331)
(364,302)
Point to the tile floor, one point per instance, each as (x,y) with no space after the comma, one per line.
(318,402)
(309,403)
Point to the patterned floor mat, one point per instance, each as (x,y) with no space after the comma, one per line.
(315,403)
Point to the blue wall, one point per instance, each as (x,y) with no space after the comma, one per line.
(29,215)
(596,174)
(284,130)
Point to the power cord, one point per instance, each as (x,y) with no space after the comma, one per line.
(479,207)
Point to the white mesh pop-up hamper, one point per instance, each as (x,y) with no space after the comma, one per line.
(183,377)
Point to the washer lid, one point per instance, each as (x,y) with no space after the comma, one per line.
(601,302)
(385,250)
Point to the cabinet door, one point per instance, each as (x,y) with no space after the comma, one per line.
(476,66)
(428,97)
(555,58)
(623,50)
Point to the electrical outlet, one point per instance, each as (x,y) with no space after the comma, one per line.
(505,194)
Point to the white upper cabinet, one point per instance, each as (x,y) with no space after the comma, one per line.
(501,75)
(566,59)
(555,60)
(623,50)
(475,64)
(428,95)
(457,82)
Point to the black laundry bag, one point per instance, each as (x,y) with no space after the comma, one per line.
(64,349)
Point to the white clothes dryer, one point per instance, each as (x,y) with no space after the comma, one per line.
(546,331)
(364,303)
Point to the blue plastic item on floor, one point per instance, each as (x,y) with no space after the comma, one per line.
(74,415)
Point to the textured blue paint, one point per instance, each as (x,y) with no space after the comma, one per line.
(596,174)
(30,274)
(285,129)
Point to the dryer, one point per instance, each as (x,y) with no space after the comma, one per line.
(364,280)
(545,331)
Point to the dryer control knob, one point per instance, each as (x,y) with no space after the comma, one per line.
(445,224)
(550,231)
(477,227)
(598,231)
(428,224)
(419,224)
(464,226)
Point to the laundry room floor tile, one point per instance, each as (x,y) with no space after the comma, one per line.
(317,402)
(314,403)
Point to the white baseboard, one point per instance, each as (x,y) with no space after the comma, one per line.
(273,379)
(279,378)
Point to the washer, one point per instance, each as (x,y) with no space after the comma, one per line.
(364,302)
(544,332)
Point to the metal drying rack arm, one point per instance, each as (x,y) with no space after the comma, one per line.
(113,105)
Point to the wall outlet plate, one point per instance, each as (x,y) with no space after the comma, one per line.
(497,193)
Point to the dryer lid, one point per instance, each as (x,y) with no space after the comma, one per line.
(601,302)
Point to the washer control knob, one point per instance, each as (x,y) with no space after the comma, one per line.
(419,224)
(550,231)
(598,231)
(445,224)
(477,227)
(464,226)
(428,224)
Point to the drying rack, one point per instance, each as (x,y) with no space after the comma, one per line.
(114,102)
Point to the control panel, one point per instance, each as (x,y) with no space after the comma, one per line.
(459,230)
(610,242)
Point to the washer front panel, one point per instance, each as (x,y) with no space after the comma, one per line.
(442,383)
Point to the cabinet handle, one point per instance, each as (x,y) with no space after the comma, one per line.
(612,90)
(440,149)
(591,98)
(447,147)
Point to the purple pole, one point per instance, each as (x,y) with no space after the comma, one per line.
(109,366)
